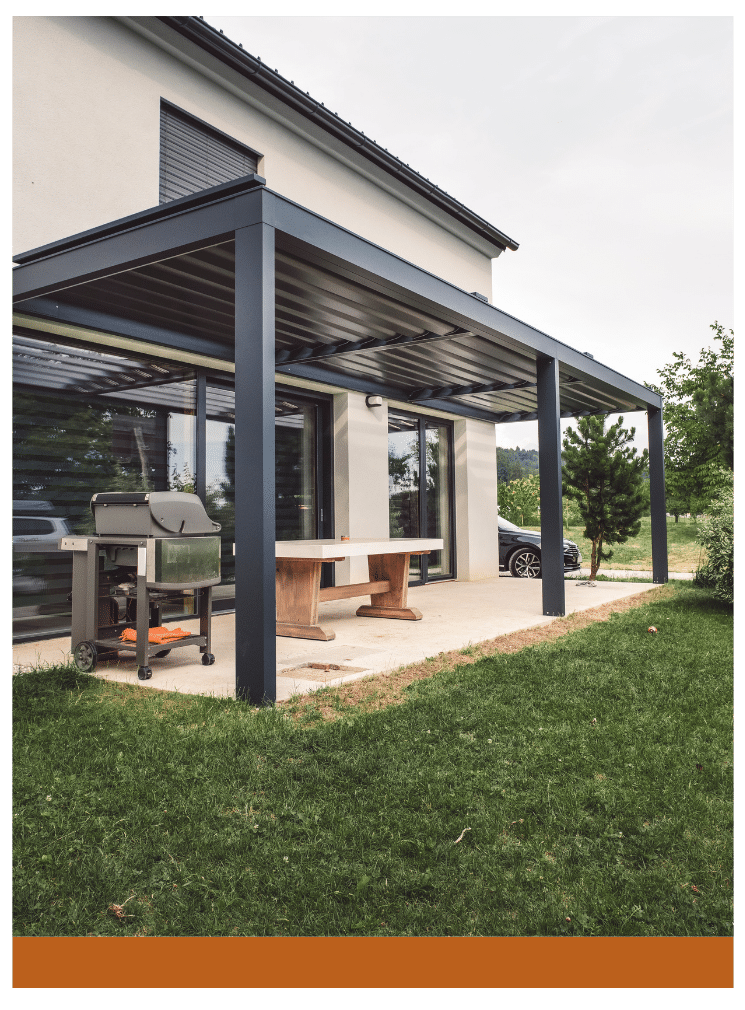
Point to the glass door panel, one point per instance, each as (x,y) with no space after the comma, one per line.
(85,420)
(419,457)
(295,440)
(299,476)
(220,497)
(437,461)
(403,483)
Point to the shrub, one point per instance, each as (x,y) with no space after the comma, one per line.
(716,533)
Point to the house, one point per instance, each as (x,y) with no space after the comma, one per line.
(221,285)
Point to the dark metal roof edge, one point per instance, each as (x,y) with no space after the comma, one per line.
(478,311)
(222,48)
(203,198)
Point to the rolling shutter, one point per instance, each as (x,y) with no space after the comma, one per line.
(193,156)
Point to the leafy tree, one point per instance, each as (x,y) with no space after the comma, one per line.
(519,501)
(698,414)
(713,398)
(716,535)
(604,476)
(571,513)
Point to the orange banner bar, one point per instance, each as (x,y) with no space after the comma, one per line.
(372,963)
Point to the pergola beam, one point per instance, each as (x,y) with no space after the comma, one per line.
(315,351)
(531,415)
(483,387)
(180,226)
(407,283)
(92,319)
(362,384)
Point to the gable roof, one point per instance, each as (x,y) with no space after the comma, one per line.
(232,55)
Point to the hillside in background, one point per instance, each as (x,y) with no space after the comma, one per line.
(514,464)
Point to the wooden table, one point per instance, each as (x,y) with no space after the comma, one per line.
(299,581)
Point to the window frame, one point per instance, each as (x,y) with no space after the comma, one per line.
(208,131)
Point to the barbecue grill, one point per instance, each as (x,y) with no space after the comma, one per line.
(149,549)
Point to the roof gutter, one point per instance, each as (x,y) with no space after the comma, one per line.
(217,45)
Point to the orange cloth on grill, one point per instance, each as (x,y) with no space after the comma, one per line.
(156,635)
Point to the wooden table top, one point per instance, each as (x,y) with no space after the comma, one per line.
(321,550)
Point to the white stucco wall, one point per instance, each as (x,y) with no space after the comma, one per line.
(87,96)
(360,477)
(476,533)
(361,486)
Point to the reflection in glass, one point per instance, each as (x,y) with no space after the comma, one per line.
(408,455)
(88,420)
(438,495)
(403,482)
(84,421)
(296,505)
(295,442)
(220,481)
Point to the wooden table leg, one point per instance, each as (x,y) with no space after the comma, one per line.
(394,568)
(298,581)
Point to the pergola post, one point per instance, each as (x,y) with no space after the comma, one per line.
(255,610)
(657,495)
(200,454)
(549,469)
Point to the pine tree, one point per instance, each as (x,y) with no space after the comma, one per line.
(604,476)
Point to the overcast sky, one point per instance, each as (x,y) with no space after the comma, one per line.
(603,145)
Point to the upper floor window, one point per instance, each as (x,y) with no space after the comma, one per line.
(195,156)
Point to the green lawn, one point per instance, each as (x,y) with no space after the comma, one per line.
(578,787)
(684,553)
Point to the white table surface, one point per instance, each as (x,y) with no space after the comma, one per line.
(321,550)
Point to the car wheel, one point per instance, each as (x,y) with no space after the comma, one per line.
(526,564)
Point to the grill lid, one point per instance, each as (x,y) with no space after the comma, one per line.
(165,513)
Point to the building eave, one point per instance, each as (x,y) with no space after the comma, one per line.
(231,55)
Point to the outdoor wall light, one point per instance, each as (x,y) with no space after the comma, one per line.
(374,401)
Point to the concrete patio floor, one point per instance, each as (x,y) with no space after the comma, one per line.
(455,615)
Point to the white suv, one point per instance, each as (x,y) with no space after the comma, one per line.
(32,533)
(35,528)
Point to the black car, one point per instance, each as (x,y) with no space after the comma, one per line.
(520,551)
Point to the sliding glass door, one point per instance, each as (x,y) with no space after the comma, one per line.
(89,418)
(302,476)
(420,489)
(86,420)
(297,490)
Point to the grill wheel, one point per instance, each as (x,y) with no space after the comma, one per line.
(85,656)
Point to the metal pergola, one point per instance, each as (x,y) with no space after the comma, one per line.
(240,273)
